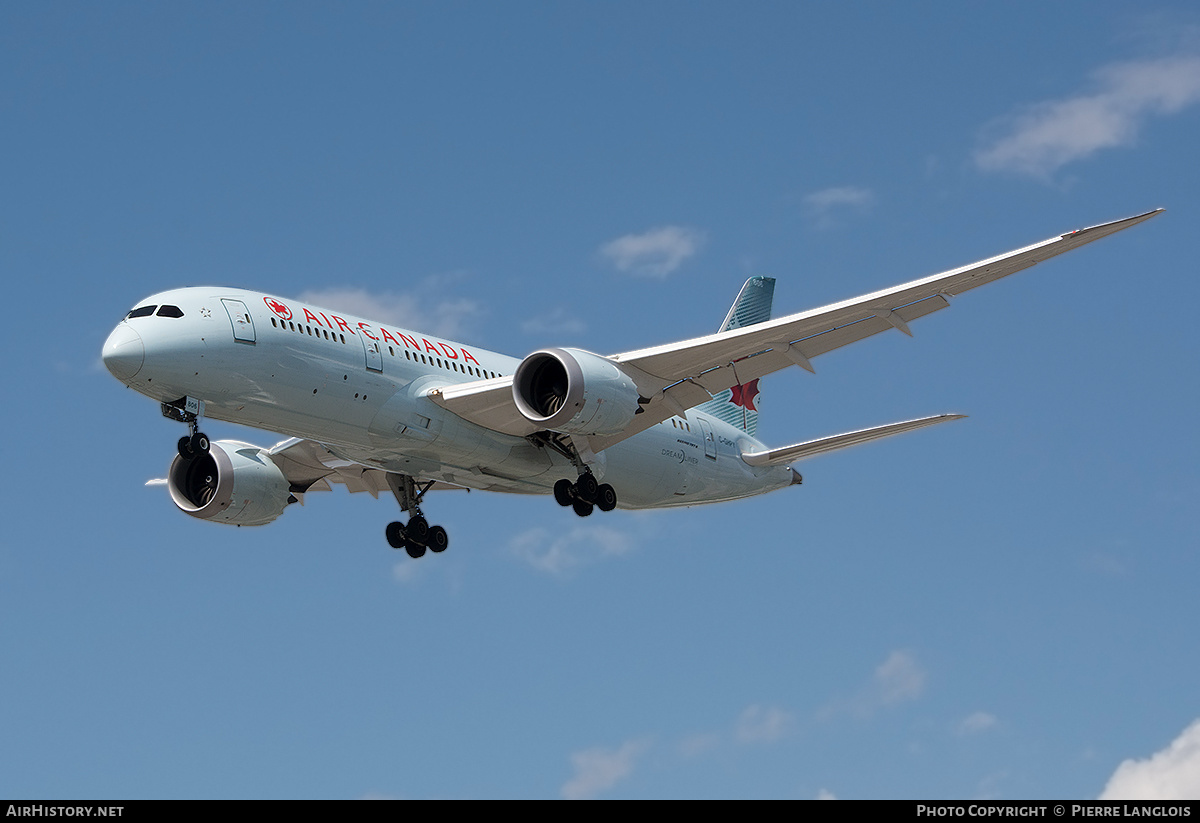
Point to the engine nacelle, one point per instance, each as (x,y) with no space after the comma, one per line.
(234,483)
(575,392)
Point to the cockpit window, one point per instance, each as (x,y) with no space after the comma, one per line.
(141,311)
(170,311)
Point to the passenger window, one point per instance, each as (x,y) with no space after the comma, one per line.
(141,311)
(170,311)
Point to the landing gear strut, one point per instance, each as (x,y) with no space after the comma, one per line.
(417,535)
(189,410)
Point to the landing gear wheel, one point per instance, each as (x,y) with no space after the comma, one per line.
(395,534)
(185,448)
(437,540)
(582,508)
(418,530)
(606,498)
(587,487)
(417,536)
(562,492)
(199,444)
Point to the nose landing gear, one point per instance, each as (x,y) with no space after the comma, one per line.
(189,410)
(194,445)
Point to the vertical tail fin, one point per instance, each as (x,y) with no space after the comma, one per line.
(738,405)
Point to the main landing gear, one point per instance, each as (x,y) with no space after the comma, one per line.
(189,410)
(417,535)
(585,494)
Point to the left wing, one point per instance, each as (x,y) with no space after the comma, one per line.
(678,376)
(309,466)
(787,455)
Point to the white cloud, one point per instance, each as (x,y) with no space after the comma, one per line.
(991,786)
(825,794)
(977,722)
(1171,774)
(823,205)
(762,724)
(898,679)
(654,253)
(416,310)
(826,199)
(561,553)
(1048,135)
(597,770)
(557,321)
(407,570)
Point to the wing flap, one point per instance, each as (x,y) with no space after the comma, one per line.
(309,466)
(802,451)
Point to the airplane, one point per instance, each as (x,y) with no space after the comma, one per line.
(377,408)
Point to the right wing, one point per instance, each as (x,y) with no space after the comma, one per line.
(678,376)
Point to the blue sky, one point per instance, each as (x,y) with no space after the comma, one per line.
(1004,607)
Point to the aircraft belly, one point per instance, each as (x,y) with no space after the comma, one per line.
(638,473)
(663,467)
(411,431)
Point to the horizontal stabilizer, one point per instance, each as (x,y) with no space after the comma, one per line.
(802,451)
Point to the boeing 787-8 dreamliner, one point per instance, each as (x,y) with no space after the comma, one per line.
(377,408)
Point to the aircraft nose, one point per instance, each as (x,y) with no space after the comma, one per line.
(123,352)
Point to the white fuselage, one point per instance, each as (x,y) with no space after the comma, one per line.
(359,388)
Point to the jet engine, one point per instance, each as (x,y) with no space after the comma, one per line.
(234,483)
(574,392)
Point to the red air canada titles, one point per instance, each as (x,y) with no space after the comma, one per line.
(335,323)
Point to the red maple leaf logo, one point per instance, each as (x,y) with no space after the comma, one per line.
(277,307)
(744,395)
